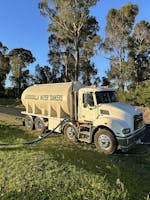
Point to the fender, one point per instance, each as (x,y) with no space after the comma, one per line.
(113,124)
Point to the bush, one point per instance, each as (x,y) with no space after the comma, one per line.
(10,101)
(140,96)
(2,91)
(9,93)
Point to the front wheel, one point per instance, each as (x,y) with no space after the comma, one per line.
(105,141)
(70,133)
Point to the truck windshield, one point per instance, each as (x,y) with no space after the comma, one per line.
(105,97)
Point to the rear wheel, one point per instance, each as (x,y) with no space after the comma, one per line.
(105,141)
(39,125)
(28,122)
(70,133)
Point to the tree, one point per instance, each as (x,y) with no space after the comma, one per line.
(4,65)
(90,46)
(118,29)
(70,26)
(139,54)
(3,49)
(105,81)
(26,80)
(43,75)
(19,59)
(61,59)
(140,95)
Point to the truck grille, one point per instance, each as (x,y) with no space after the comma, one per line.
(138,121)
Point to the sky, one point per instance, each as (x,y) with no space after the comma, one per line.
(22,26)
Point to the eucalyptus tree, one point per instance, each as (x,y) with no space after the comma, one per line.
(43,74)
(26,80)
(19,59)
(61,59)
(69,20)
(4,65)
(118,29)
(89,49)
(139,55)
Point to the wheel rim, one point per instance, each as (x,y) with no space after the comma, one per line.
(28,123)
(70,132)
(39,125)
(104,141)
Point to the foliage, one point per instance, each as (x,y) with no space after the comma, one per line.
(137,96)
(55,169)
(129,54)
(19,59)
(72,38)
(26,80)
(4,66)
(140,95)
(105,81)
(10,101)
(123,97)
(9,92)
(43,75)
(139,55)
(118,29)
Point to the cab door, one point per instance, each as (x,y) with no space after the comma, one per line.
(86,107)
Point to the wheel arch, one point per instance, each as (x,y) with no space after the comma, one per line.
(64,125)
(101,127)
(73,137)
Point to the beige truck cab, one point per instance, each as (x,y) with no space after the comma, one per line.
(94,115)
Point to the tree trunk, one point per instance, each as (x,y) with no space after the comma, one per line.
(76,63)
(121,77)
(66,65)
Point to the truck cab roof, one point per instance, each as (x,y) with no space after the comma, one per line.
(96,89)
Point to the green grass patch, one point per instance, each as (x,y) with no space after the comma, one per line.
(55,169)
(9,101)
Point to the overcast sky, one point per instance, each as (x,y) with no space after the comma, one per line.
(22,26)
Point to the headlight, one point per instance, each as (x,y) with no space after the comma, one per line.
(126,130)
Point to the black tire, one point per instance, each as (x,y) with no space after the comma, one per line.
(70,133)
(39,125)
(28,122)
(105,141)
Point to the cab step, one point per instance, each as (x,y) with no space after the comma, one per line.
(87,140)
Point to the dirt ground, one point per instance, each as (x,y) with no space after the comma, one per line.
(10,110)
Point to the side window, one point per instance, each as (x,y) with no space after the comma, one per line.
(88,99)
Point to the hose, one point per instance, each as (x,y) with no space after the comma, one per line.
(36,140)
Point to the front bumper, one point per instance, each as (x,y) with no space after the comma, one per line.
(127,143)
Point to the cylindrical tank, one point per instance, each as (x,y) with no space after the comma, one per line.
(54,100)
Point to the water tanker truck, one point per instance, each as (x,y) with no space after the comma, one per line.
(94,115)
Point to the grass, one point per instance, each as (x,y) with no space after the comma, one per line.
(55,169)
